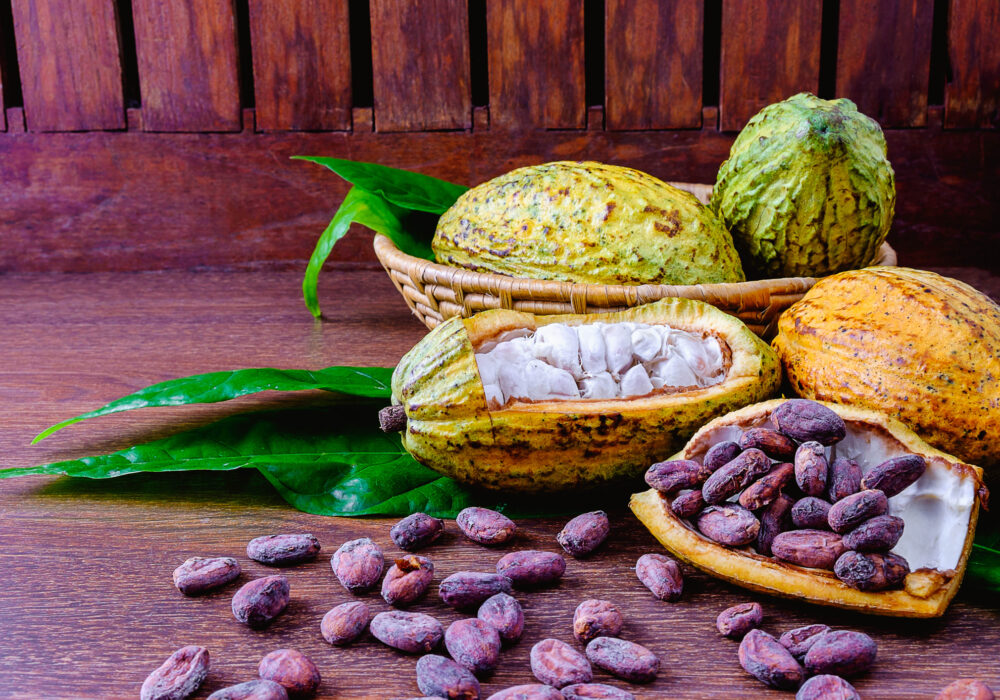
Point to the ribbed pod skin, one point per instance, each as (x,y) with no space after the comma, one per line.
(921,347)
(586,222)
(807,189)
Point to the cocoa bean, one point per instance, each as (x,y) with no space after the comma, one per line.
(871,572)
(847,513)
(531,568)
(895,474)
(735,476)
(878,534)
(558,664)
(251,690)
(627,660)
(465,589)
(531,691)
(687,504)
(258,602)
(770,442)
(816,549)
(584,533)
(474,644)
(441,677)
(965,689)
(283,550)
(486,526)
(292,670)
(407,580)
(661,575)
(736,621)
(505,615)
(411,632)
(583,691)
(827,687)
(773,520)
(358,564)
(670,477)
(811,468)
(841,653)
(844,479)
(179,676)
(731,525)
(596,618)
(804,420)
(766,489)
(345,623)
(766,660)
(719,454)
(200,574)
(416,531)
(811,513)
(799,640)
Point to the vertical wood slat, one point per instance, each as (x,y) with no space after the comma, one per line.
(536,64)
(884,58)
(770,51)
(653,74)
(301,65)
(71,74)
(188,71)
(4,38)
(972,98)
(420,65)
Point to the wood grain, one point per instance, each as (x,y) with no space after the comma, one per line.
(301,65)
(536,64)
(770,51)
(71,75)
(972,97)
(187,64)
(653,74)
(420,59)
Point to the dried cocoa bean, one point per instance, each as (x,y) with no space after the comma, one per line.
(627,660)
(811,468)
(804,420)
(735,476)
(895,474)
(345,623)
(878,534)
(411,632)
(441,677)
(416,531)
(505,615)
(770,442)
(261,600)
(584,533)
(774,519)
(486,526)
(670,477)
(687,504)
(827,687)
(719,454)
(251,690)
(766,660)
(816,549)
(474,644)
(841,653)
(736,621)
(465,589)
(965,689)
(731,525)
(283,550)
(583,691)
(596,618)
(844,479)
(531,691)
(292,670)
(558,664)
(407,580)
(847,513)
(358,564)
(531,568)
(871,572)
(767,488)
(799,640)
(811,513)
(179,676)
(661,575)
(200,574)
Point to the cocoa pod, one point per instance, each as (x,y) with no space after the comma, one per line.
(407,580)
(719,454)
(672,476)
(627,660)
(844,479)
(731,525)
(735,475)
(687,504)
(816,549)
(505,615)
(414,633)
(441,677)
(358,564)
(770,442)
(531,691)
(799,640)
(804,420)
(878,534)
(661,575)
(583,691)
(767,488)
(258,602)
(416,531)
(841,653)
(596,618)
(200,574)
(811,513)
(251,690)
(345,623)
(811,468)
(283,550)
(292,670)
(584,533)
(466,589)
(773,520)
(473,644)
(847,513)
(485,526)
(871,572)
(827,687)
(531,568)
(965,689)
(178,677)
(736,621)
(895,474)
(558,664)
(766,660)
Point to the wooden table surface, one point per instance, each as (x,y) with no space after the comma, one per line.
(87,607)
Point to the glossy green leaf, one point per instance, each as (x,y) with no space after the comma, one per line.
(984,561)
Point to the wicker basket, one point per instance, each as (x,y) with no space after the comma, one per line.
(435,292)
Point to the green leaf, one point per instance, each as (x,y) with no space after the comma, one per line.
(372,382)
(984,561)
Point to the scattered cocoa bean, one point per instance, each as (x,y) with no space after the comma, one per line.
(179,676)
(895,474)
(847,513)
(531,691)
(871,572)
(283,550)
(719,454)
(844,479)
(531,568)
(827,687)
(200,574)
(799,640)
(441,677)
(816,549)
(965,689)
(358,564)
(767,488)
(731,525)
(841,653)
(407,580)
(735,475)
(416,531)
(661,575)
(804,420)
(811,513)
(465,589)
(596,618)
(251,690)
(766,660)
(773,520)
(584,533)
(261,600)
(878,534)
(687,504)
(345,623)
(474,644)
(411,632)
(811,468)
(736,621)
(292,670)
(486,526)
(770,442)
(558,664)
(627,660)
(583,691)
(672,476)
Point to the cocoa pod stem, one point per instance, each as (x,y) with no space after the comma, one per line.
(392,419)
